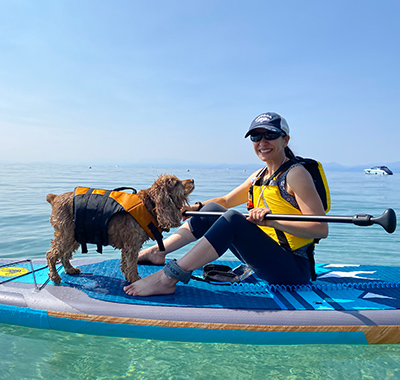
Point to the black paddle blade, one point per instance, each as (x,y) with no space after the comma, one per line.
(387,220)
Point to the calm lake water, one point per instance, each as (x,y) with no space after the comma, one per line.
(39,354)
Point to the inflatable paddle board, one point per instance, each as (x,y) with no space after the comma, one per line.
(348,304)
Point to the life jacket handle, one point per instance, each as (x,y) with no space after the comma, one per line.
(126,188)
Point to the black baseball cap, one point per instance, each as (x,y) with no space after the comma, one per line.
(271,121)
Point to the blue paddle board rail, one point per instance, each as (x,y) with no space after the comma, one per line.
(40,319)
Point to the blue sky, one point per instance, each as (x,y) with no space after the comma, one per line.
(127,81)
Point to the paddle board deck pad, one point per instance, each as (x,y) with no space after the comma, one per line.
(348,304)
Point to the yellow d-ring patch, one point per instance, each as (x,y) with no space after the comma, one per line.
(12,271)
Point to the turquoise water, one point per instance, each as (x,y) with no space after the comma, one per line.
(39,354)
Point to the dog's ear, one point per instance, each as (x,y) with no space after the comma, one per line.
(167,198)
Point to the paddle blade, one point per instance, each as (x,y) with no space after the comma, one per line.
(387,220)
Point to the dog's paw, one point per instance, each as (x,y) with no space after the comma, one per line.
(55,278)
(132,278)
(72,270)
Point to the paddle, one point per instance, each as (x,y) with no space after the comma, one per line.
(387,220)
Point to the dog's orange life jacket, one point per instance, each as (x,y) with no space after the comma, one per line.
(93,209)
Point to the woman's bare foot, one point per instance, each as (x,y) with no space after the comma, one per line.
(151,255)
(155,284)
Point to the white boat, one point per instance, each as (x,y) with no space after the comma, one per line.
(380,170)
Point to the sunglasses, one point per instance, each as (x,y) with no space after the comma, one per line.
(268,135)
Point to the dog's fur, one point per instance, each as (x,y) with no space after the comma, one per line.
(168,194)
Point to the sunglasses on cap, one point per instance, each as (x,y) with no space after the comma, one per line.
(268,135)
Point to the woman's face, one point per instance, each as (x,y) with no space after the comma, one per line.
(270,150)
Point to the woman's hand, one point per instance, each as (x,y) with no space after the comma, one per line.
(194,207)
(257,215)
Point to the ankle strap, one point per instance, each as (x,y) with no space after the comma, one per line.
(173,270)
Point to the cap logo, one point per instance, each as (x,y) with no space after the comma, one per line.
(264,117)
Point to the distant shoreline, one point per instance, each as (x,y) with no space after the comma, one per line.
(328,167)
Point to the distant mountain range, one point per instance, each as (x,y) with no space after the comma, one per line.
(331,166)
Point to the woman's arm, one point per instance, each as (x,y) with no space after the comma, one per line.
(301,185)
(236,197)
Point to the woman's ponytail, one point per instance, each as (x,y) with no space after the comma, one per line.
(288,153)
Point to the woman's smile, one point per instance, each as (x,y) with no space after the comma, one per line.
(263,148)
(262,151)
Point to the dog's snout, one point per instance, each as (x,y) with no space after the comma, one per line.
(188,184)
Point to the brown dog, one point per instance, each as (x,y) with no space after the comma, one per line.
(164,200)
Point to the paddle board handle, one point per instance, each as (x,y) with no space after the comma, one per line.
(387,220)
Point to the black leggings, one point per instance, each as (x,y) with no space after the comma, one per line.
(251,245)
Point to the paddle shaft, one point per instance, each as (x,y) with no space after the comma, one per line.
(387,220)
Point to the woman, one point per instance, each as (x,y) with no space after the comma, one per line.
(254,240)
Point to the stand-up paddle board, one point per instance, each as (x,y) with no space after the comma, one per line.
(348,304)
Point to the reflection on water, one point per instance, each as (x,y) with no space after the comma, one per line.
(39,354)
